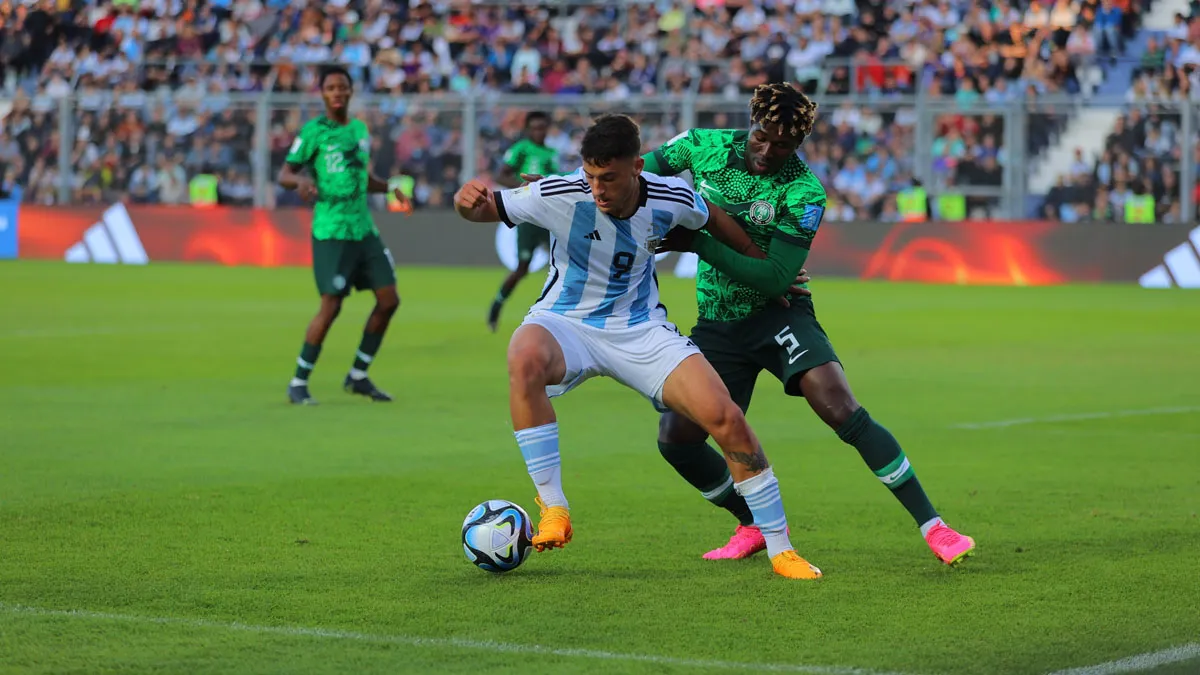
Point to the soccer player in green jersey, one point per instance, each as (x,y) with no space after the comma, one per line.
(756,176)
(529,155)
(347,251)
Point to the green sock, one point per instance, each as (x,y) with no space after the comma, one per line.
(706,470)
(307,361)
(883,455)
(367,350)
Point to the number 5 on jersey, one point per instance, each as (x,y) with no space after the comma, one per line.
(786,339)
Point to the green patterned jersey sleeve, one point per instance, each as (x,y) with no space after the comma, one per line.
(771,277)
(304,148)
(674,156)
(803,209)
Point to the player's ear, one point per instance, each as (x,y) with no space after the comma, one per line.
(638,165)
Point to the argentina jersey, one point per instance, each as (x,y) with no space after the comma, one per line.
(602,268)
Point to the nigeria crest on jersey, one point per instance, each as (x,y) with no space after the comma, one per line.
(762,213)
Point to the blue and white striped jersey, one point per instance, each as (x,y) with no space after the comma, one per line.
(602,268)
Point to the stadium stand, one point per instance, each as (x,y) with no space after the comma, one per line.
(159,88)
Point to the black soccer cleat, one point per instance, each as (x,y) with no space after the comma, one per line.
(494,316)
(365,387)
(298,395)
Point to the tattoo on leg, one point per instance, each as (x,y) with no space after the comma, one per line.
(756,461)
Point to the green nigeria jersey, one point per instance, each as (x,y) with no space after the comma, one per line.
(525,156)
(338,156)
(787,205)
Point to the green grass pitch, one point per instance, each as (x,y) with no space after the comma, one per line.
(162,509)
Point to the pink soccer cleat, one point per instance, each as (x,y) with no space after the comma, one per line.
(949,546)
(745,542)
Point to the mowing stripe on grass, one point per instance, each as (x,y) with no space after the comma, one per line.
(448,643)
(1138,663)
(1112,414)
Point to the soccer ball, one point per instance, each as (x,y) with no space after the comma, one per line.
(497,536)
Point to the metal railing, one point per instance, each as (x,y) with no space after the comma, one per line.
(472,131)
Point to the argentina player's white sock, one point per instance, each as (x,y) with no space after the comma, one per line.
(539,446)
(762,495)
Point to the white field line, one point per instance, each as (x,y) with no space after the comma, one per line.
(429,642)
(1138,663)
(1111,414)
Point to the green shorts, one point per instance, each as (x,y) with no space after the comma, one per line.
(340,266)
(529,237)
(787,342)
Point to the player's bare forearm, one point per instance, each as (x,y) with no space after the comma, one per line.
(508,177)
(726,230)
(289,178)
(486,213)
(476,202)
(376,185)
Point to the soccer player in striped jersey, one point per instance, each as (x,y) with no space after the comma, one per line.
(599,315)
(757,176)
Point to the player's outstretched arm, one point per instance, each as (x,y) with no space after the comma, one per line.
(727,231)
(475,202)
(376,185)
(771,276)
(673,157)
(508,177)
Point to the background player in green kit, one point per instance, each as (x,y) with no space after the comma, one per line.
(529,155)
(347,251)
(757,177)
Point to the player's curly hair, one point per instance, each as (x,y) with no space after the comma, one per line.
(782,104)
(611,137)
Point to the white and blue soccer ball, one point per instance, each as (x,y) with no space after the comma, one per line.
(497,536)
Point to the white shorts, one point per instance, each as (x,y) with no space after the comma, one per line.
(641,357)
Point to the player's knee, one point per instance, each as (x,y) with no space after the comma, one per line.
(675,428)
(727,424)
(528,367)
(833,403)
(387,304)
(331,306)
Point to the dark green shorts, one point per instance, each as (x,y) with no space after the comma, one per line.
(787,342)
(529,237)
(340,266)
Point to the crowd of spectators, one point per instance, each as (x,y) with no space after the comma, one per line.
(1144,153)
(164,88)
